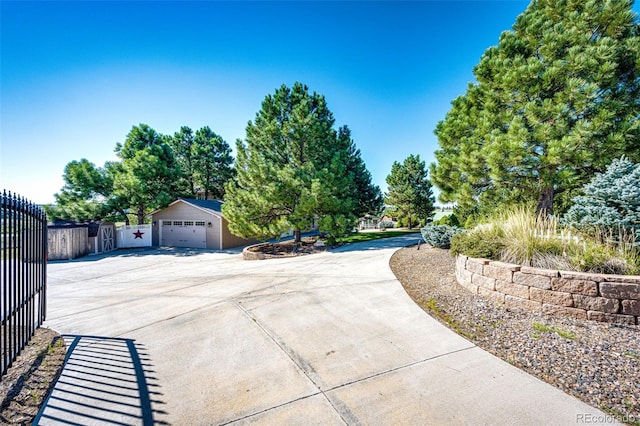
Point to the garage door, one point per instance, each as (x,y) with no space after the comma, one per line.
(183,233)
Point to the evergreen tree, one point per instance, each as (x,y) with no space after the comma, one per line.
(212,162)
(148,175)
(611,200)
(368,196)
(182,144)
(555,101)
(292,170)
(410,195)
(88,194)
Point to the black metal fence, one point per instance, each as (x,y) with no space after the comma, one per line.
(23,260)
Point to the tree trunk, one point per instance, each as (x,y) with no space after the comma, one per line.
(140,214)
(409,222)
(126,217)
(297,236)
(545,202)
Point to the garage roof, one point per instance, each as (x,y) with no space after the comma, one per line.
(210,206)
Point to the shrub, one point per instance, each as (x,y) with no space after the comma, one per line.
(527,236)
(439,235)
(482,242)
(598,258)
(386,224)
(611,200)
(518,236)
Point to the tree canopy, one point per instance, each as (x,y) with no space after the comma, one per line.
(554,102)
(293,168)
(410,194)
(87,193)
(212,163)
(149,172)
(153,170)
(205,161)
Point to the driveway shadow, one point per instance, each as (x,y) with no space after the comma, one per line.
(150,251)
(104,380)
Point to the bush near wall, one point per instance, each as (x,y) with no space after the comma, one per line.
(439,235)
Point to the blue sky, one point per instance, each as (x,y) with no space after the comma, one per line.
(76,76)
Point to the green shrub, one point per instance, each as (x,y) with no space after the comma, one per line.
(479,242)
(611,201)
(386,224)
(597,257)
(518,236)
(439,235)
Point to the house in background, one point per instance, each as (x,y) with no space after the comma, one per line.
(193,223)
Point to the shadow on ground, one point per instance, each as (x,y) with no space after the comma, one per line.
(104,380)
(149,251)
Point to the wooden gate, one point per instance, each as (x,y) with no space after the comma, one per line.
(107,237)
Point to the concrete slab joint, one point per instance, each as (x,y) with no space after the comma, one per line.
(597,297)
(190,337)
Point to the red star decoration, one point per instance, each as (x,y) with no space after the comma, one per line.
(138,234)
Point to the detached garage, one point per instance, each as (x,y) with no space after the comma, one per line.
(193,223)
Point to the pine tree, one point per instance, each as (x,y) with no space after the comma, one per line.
(212,162)
(182,144)
(555,101)
(368,196)
(293,169)
(410,195)
(148,175)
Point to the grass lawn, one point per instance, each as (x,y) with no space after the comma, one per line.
(359,237)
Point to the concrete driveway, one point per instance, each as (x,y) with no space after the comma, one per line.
(196,337)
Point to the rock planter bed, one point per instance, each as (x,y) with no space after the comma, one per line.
(597,297)
(263,251)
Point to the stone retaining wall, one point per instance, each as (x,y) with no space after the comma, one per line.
(253,255)
(598,297)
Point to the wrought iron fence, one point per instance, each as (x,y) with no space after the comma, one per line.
(23,256)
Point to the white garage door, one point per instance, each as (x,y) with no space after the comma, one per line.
(183,233)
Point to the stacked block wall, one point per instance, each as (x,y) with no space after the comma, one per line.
(598,297)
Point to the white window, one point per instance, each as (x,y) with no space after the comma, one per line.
(188,223)
(199,223)
(177,223)
(166,223)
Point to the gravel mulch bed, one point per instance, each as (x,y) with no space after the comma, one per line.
(31,377)
(289,248)
(596,362)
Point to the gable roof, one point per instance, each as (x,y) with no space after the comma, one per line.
(210,206)
(213,205)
